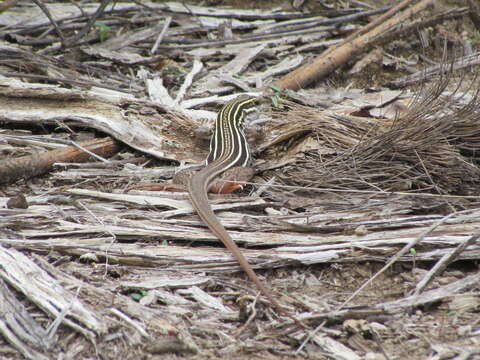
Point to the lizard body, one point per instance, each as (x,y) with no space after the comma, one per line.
(228,148)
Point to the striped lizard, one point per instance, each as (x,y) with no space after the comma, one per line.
(228,149)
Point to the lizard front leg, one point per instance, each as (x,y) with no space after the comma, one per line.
(230,181)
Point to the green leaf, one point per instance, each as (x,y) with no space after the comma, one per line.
(275,88)
(276,101)
(103,30)
(136,296)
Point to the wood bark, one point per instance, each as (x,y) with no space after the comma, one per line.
(325,64)
(26,167)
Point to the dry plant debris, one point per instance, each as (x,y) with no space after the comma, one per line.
(427,146)
(367,210)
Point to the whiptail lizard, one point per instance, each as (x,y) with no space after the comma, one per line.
(228,148)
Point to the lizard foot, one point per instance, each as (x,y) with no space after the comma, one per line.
(229,182)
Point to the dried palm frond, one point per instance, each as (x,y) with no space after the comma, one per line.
(429,147)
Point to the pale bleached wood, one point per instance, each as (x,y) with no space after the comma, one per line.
(47,293)
(236,66)
(134,199)
(23,102)
(165,297)
(410,302)
(130,321)
(196,69)
(279,26)
(385,233)
(34,141)
(164,282)
(158,93)
(218,259)
(334,348)
(131,171)
(324,244)
(160,322)
(442,264)
(421,76)
(121,57)
(194,102)
(233,49)
(20,329)
(208,22)
(431,296)
(205,299)
(131,37)
(287,37)
(285,65)
(214,99)
(181,8)
(182,207)
(34,17)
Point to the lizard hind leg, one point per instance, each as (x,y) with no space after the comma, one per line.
(231,180)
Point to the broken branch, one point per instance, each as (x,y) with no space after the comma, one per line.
(325,64)
(26,167)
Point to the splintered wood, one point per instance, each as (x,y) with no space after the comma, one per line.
(364,194)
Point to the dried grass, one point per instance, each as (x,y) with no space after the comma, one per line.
(428,148)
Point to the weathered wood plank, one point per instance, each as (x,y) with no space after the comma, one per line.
(48,293)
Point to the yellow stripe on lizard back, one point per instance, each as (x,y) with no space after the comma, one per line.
(228,139)
(228,148)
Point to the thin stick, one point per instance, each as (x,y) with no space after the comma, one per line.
(160,37)
(114,237)
(92,154)
(444,262)
(26,167)
(324,65)
(90,23)
(251,317)
(370,25)
(402,252)
(309,337)
(42,6)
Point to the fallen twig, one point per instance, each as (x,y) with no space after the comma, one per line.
(443,263)
(370,25)
(26,167)
(402,252)
(45,10)
(325,64)
(431,296)
(426,74)
(162,33)
(88,26)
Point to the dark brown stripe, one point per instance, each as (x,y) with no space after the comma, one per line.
(228,140)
